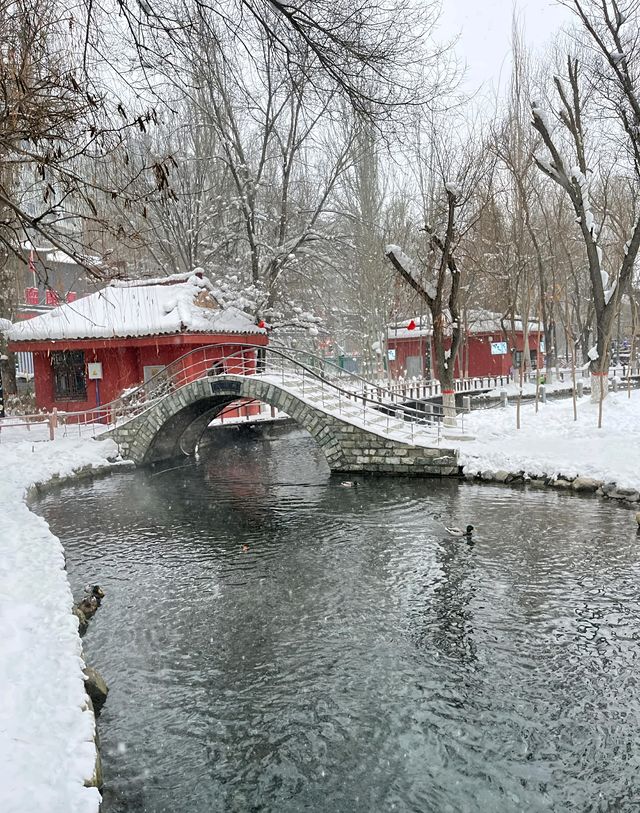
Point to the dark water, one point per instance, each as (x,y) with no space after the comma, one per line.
(353,659)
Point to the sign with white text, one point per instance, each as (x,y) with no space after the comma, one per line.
(498,348)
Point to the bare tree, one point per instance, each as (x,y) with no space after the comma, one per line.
(372,53)
(611,75)
(454,191)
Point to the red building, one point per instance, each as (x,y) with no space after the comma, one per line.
(486,349)
(86,353)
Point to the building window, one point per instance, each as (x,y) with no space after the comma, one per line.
(69,380)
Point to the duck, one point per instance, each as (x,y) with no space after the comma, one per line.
(92,600)
(349,484)
(459,532)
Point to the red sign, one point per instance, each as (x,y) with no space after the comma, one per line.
(31,296)
(72,296)
(51,298)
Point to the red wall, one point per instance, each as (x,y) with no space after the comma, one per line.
(120,369)
(123,362)
(481,362)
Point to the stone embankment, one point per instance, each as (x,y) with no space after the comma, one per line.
(626,497)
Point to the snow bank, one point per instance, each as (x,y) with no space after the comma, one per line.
(551,443)
(46,739)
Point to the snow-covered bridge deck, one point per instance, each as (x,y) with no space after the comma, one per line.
(356,432)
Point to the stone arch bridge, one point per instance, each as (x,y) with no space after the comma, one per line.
(353,433)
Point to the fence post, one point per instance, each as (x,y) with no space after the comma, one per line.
(466,403)
(542,392)
(579,388)
(503,398)
(614,384)
(53,423)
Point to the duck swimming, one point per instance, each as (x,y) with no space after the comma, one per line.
(459,533)
(92,600)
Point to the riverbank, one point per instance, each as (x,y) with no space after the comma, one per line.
(552,444)
(47,749)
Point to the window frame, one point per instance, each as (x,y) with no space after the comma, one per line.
(69,375)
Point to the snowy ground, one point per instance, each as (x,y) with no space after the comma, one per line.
(46,739)
(551,443)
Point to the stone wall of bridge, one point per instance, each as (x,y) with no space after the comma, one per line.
(173,426)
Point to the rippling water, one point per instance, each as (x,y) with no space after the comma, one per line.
(275,641)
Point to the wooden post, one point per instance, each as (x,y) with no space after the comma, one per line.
(53,423)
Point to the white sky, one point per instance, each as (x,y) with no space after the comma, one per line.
(484,27)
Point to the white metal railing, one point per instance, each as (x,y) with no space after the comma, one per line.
(420,389)
(376,405)
(320,382)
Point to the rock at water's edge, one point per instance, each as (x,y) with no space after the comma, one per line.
(561,482)
(96,688)
(83,624)
(586,484)
(628,494)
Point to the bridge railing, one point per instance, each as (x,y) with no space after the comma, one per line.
(205,362)
(352,391)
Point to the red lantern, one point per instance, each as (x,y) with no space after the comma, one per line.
(261,323)
(411,325)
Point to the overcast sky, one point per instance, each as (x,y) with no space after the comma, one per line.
(484,27)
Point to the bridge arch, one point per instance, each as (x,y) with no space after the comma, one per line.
(175,425)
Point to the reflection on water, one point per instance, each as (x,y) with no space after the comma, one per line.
(277,642)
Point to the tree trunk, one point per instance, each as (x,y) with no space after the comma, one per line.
(445,373)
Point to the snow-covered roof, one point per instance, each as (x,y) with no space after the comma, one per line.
(477,321)
(176,304)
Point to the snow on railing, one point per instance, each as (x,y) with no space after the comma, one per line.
(338,389)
